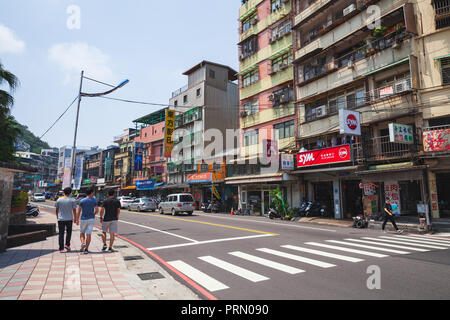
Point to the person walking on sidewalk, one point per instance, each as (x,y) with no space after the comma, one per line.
(88,208)
(109,216)
(65,213)
(389,216)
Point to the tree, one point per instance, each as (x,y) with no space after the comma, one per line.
(9,127)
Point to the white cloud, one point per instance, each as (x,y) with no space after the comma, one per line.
(74,57)
(9,43)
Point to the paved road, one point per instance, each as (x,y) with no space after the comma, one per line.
(242,257)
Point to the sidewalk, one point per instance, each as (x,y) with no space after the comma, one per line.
(38,271)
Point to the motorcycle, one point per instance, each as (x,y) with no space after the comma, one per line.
(206,207)
(273,214)
(314,209)
(360,222)
(32,211)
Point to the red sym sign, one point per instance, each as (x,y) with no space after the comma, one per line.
(349,122)
(324,156)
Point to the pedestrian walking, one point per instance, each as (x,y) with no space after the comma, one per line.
(389,216)
(65,213)
(88,207)
(109,217)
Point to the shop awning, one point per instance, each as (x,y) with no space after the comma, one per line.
(255,178)
(392,170)
(350,168)
(129,188)
(111,187)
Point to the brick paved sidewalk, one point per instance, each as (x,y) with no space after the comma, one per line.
(39,272)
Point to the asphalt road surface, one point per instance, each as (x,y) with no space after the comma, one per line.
(254,258)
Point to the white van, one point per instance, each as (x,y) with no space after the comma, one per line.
(176,203)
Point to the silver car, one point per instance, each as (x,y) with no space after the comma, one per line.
(142,204)
(125,201)
(38,197)
(177,203)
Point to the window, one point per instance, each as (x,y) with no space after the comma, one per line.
(442,10)
(445,70)
(212,74)
(280,31)
(282,96)
(251,138)
(251,107)
(250,78)
(176,103)
(282,62)
(199,92)
(277,4)
(249,47)
(249,22)
(185,99)
(284,130)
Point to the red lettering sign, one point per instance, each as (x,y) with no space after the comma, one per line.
(324,156)
(352,123)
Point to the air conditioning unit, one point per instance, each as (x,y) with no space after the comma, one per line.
(349,9)
(321,111)
(331,66)
(402,86)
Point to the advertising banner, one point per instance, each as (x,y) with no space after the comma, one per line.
(436,140)
(67,177)
(401,133)
(392,192)
(324,156)
(200,177)
(78,173)
(170,128)
(145,184)
(349,122)
(108,162)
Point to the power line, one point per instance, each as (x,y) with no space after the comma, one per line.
(59,117)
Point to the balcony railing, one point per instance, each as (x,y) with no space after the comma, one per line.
(380,148)
(180,91)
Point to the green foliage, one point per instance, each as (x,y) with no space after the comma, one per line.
(379,32)
(19,200)
(36,144)
(10,130)
(278,202)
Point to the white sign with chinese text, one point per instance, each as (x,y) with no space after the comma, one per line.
(401,133)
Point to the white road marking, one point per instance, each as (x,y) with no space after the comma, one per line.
(297,258)
(241,272)
(425,239)
(267,263)
(323,253)
(404,242)
(367,253)
(209,241)
(201,278)
(389,245)
(165,232)
(366,247)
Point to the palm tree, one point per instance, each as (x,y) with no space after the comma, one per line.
(6,99)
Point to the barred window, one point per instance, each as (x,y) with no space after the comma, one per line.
(445,70)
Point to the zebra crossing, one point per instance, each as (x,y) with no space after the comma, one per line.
(348,250)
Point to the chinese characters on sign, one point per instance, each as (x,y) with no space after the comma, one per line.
(401,133)
(392,192)
(436,140)
(170,128)
(287,161)
(324,156)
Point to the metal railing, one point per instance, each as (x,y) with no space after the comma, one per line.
(381,148)
(180,91)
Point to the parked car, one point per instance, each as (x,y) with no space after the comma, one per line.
(142,204)
(177,203)
(38,197)
(125,202)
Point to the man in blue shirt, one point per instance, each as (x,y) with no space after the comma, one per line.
(88,208)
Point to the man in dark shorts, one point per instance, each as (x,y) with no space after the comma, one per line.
(65,213)
(109,216)
(389,216)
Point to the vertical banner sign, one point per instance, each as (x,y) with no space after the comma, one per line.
(67,173)
(138,156)
(349,122)
(392,191)
(170,128)
(78,173)
(107,166)
(215,192)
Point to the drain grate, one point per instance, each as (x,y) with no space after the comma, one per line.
(129,258)
(150,276)
(120,247)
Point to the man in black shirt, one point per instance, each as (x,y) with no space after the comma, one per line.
(109,216)
(389,216)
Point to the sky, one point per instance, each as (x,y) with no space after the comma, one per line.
(46,44)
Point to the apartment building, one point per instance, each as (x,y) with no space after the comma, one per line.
(344,59)
(123,160)
(266,95)
(208,102)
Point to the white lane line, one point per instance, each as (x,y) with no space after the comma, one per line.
(165,232)
(419,241)
(201,278)
(365,246)
(404,242)
(297,258)
(366,253)
(209,241)
(267,263)
(425,239)
(389,245)
(323,253)
(241,272)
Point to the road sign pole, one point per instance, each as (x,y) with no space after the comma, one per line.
(74,151)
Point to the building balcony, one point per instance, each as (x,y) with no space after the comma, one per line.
(180,91)
(267,115)
(267,83)
(380,149)
(308,12)
(345,70)
(248,7)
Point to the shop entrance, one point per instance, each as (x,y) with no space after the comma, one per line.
(352,195)
(323,193)
(410,196)
(254,202)
(443,187)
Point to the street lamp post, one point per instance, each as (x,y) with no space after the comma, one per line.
(81,94)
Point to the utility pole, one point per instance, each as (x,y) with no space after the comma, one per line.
(74,151)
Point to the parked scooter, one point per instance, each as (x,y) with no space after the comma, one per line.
(273,214)
(32,211)
(313,209)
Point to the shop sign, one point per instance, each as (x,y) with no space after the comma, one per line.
(287,161)
(158,169)
(369,189)
(436,140)
(67,178)
(93,180)
(387,91)
(200,177)
(145,184)
(108,162)
(401,133)
(204,167)
(101,181)
(324,156)
(349,122)
(392,192)
(170,128)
